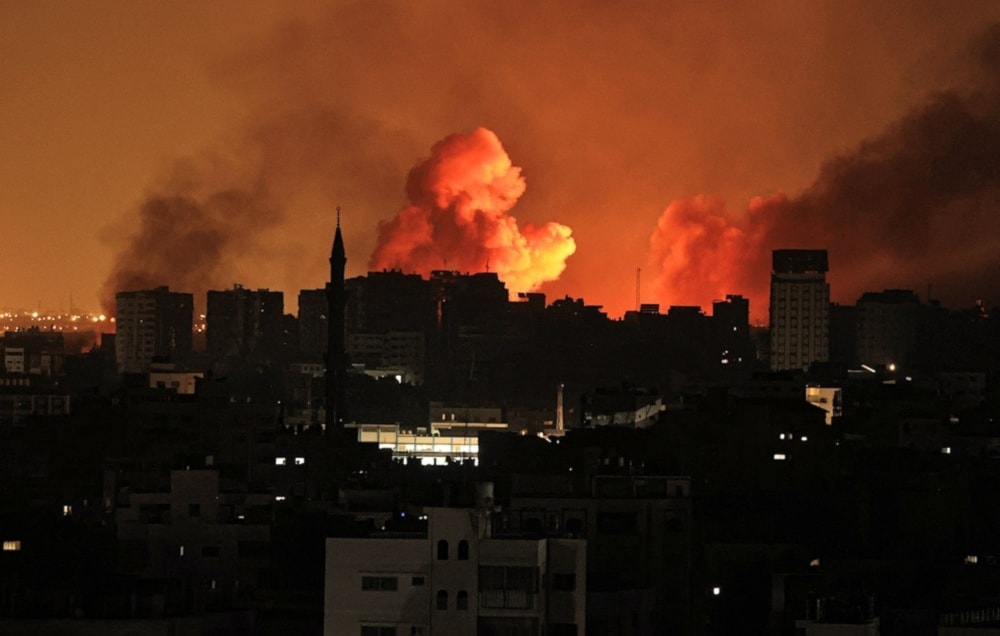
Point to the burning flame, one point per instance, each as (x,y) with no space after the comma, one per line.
(458,218)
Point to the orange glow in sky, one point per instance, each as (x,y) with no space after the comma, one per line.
(204,144)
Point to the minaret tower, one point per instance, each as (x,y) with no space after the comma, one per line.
(336,356)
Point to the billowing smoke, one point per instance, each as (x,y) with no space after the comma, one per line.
(917,205)
(458,218)
(189,239)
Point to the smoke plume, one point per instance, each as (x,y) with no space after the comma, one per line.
(458,218)
(190,238)
(917,205)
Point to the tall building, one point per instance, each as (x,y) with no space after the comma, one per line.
(800,309)
(336,355)
(245,324)
(313,327)
(153,323)
(887,327)
(732,324)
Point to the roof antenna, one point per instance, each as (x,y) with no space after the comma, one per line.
(338,216)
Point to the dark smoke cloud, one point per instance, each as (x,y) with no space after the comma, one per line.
(916,205)
(190,242)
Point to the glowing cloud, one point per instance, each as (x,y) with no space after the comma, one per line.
(458,218)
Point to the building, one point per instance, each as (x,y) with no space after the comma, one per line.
(244,324)
(887,327)
(732,323)
(313,310)
(155,323)
(637,532)
(446,574)
(800,309)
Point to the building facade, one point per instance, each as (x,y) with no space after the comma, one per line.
(454,578)
(155,323)
(800,309)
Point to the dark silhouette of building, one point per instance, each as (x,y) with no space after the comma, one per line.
(245,324)
(151,324)
(313,323)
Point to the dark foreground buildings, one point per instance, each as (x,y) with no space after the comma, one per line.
(430,456)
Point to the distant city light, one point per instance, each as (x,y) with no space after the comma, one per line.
(716,591)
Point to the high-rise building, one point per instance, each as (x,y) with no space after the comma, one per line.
(153,323)
(887,327)
(732,324)
(800,309)
(313,328)
(245,324)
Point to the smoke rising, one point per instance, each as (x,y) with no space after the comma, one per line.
(917,205)
(458,218)
(190,241)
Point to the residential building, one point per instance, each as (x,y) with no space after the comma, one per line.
(800,309)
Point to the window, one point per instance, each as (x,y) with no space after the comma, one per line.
(194,510)
(11,546)
(379,584)
(463,550)
(442,550)
(300,461)
(564,582)
(378,630)
(462,600)
(280,461)
(417,580)
(441,600)
(211,551)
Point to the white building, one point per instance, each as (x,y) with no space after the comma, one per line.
(454,578)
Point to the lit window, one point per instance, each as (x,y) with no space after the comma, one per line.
(180,550)
(299,461)
(779,457)
(946,450)
(280,461)
(716,591)
(279,498)
(11,546)
(67,510)
(971,559)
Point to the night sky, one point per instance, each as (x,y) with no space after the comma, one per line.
(560,144)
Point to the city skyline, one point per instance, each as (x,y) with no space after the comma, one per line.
(644,130)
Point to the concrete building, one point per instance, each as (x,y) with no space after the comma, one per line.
(213,542)
(244,324)
(887,327)
(313,310)
(639,544)
(448,575)
(800,309)
(150,324)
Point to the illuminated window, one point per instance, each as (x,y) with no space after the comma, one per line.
(716,591)
(779,457)
(11,546)
(280,461)
(180,550)
(67,510)
(299,461)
